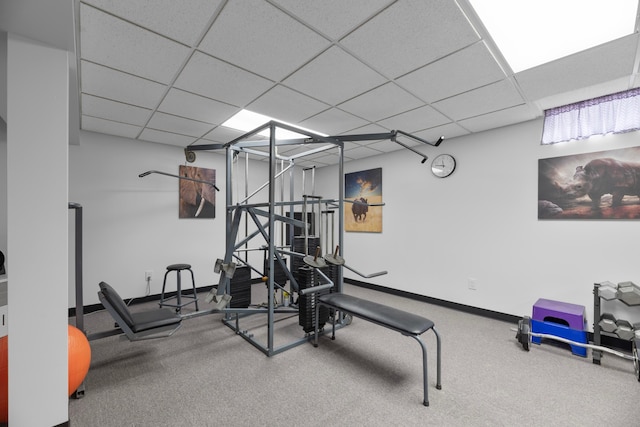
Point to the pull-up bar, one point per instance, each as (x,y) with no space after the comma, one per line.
(392,136)
(143,174)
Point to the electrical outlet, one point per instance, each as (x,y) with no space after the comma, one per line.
(472,283)
(147,275)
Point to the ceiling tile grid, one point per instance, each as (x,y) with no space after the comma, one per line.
(173,72)
(268,41)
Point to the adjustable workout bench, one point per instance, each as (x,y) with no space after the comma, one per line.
(157,323)
(407,324)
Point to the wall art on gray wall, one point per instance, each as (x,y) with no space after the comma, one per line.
(363,188)
(197,199)
(599,185)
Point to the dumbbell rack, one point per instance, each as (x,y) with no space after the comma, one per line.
(597,330)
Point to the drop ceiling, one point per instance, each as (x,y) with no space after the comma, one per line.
(171,71)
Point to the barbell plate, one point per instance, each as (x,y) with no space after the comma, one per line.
(315,262)
(334,259)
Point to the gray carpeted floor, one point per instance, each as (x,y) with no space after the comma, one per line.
(205,375)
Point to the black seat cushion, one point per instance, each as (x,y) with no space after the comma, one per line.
(390,317)
(141,321)
(154,319)
(117,303)
(178,267)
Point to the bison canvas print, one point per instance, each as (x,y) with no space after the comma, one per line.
(600,185)
(363,200)
(197,194)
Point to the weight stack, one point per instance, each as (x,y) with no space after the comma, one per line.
(279,276)
(240,287)
(307,303)
(298,246)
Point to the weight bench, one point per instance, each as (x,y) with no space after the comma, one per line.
(407,324)
(157,323)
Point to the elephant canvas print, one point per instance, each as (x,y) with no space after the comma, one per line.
(599,185)
(362,192)
(197,193)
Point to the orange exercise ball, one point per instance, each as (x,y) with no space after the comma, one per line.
(79,353)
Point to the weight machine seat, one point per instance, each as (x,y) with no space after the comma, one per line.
(407,324)
(146,324)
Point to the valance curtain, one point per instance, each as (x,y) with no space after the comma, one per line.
(616,113)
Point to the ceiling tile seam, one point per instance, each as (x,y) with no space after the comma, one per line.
(480,29)
(524,104)
(192,50)
(204,96)
(173,133)
(110,120)
(135,24)
(168,88)
(299,20)
(114,100)
(367,20)
(318,31)
(437,59)
(121,71)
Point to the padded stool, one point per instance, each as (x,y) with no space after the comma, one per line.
(561,319)
(179,304)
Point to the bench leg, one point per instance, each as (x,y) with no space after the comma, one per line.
(425,375)
(438,383)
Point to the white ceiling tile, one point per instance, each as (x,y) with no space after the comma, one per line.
(361,152)
(449,131)
(493,97)
(118,44)
(95,124)
(218,80)
(384,146)
(273,44)
(286,105)
(410,34)
(414,120)
(381,102)
(333,18)
(166,137)
(107,83)
(462,71)
(179,125)
(583,93)
(223,134)
(367,129)
(333,122)
(116,111)
(179,20)
(520,113)
(334,76)
(600,64)
(195,107)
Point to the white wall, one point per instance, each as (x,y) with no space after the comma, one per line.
(131,224)
(481,223)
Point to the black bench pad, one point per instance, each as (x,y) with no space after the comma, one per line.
(393,318)
(152,319)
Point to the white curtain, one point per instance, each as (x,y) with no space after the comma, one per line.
(615,113)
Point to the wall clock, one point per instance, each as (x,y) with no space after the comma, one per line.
(443,165)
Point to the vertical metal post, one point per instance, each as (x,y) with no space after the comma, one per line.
(340,211)
(272,172)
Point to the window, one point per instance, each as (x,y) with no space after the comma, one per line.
(616,113)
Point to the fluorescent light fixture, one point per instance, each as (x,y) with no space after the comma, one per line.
(534,32)
(246,121)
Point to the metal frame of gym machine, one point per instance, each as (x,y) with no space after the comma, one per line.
(235,211)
